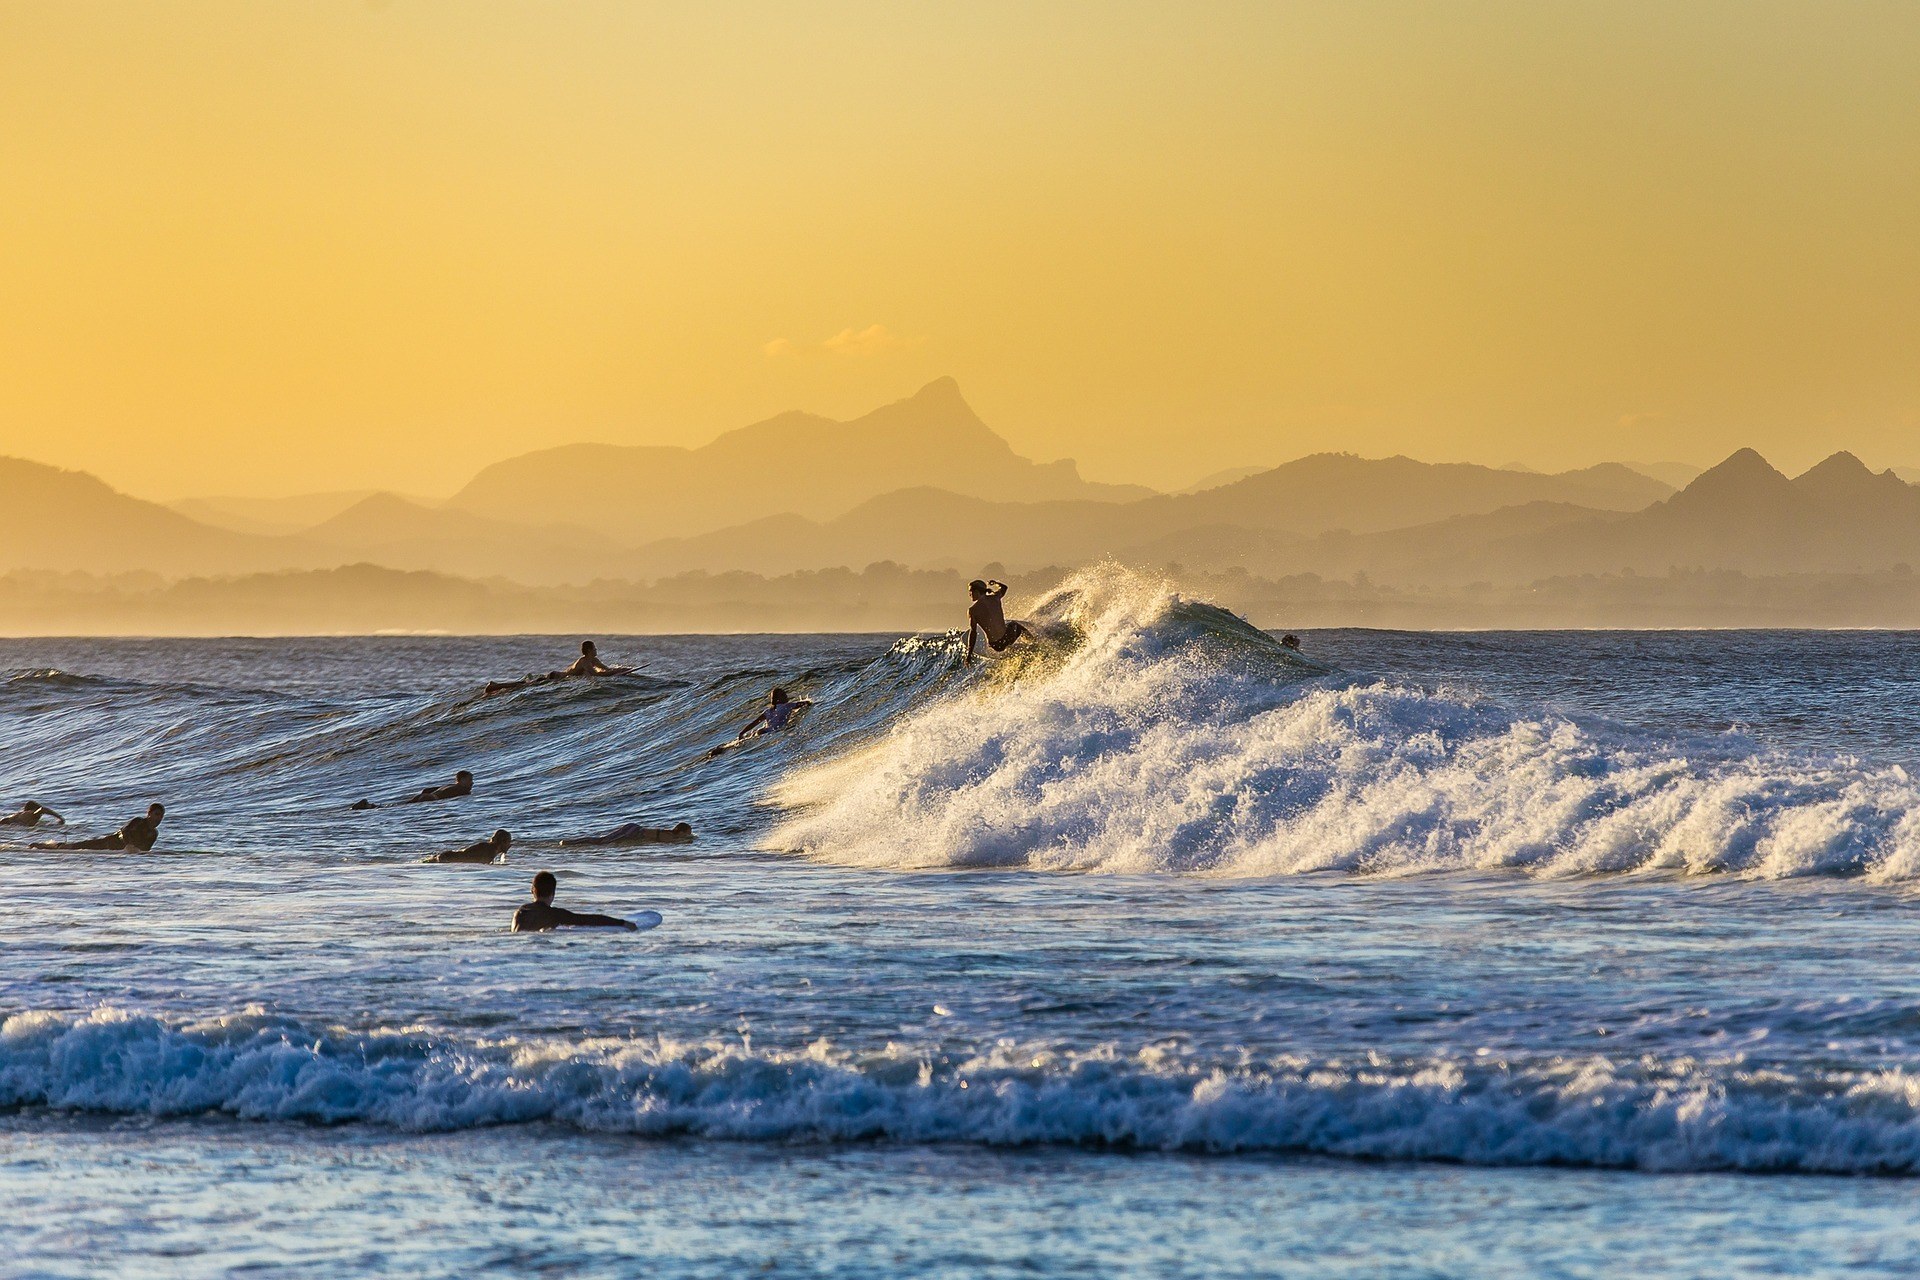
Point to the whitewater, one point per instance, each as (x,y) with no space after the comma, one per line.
(1156,933)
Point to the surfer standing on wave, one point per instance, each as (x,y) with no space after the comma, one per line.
(987,615)
(540,914)
(139,835)
(30,814)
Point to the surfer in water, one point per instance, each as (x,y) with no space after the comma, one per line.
(138,836)
(987,615)
(634,833)
(30,814)
(492,849)
(462,785)
(540,914)
(773,718)
(585,666)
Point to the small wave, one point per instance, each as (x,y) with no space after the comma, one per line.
(1644,1113)
(1169,736)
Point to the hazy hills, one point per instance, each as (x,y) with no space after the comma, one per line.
(924,485)
(795,463)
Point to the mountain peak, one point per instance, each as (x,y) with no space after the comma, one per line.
(1843,478)
(1743,481)
(1840,467)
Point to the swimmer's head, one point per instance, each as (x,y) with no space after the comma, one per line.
(463,777)
(543,886)
(586,647)
(777,696)
(156,811)
(502,839)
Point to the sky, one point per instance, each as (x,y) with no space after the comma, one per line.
(278,248)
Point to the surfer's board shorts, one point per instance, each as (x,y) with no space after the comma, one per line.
(1013,632)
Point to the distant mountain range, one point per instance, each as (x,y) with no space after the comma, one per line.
(796,463)
(924,483)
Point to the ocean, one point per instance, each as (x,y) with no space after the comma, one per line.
(1156,949)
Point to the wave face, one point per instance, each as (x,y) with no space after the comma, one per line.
(1164,735)
(1681,1114)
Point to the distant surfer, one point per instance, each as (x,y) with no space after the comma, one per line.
(138,836)
(540,914)
(1290,642)
(585,666)
(773,718)
(492,849)
(462,785)
(30,815)
(986,615)
(634,833)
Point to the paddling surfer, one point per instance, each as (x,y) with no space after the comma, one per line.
(139,835)
(462,785)
(634,833)
(540,914)
(30,814)
(492,849)
(773,718)
(586,666)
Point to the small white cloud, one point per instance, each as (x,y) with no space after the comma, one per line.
(873,340)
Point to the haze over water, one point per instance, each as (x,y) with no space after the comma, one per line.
(1492,954)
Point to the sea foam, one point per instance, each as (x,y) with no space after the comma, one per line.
(1645,1113)
(1150,733)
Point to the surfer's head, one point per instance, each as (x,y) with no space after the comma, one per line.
(543,886)
(155,812)
(502,839)
(33,806)
(976,588)
(586,647)
(777,696)
(464,778)
(683,829)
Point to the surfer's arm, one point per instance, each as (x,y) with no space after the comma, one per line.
(588,920)
(973,633)
(48,813)
(752,724)
(996,589)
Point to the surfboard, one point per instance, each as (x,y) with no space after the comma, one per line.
(647,920)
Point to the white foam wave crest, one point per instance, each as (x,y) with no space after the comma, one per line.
(1172,737)
(1678,1114)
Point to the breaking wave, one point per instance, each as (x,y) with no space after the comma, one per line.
(1151,733)
(1643,1113)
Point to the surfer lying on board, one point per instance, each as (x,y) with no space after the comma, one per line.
(30,814)
(137,836)
(634,833)
(540,914)
(774,717)
(985,614)
(492,849)
(462,785)
(588,664)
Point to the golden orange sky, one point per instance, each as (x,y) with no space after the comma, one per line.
(253,247)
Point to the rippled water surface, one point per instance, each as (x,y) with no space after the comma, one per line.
(1158,951)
